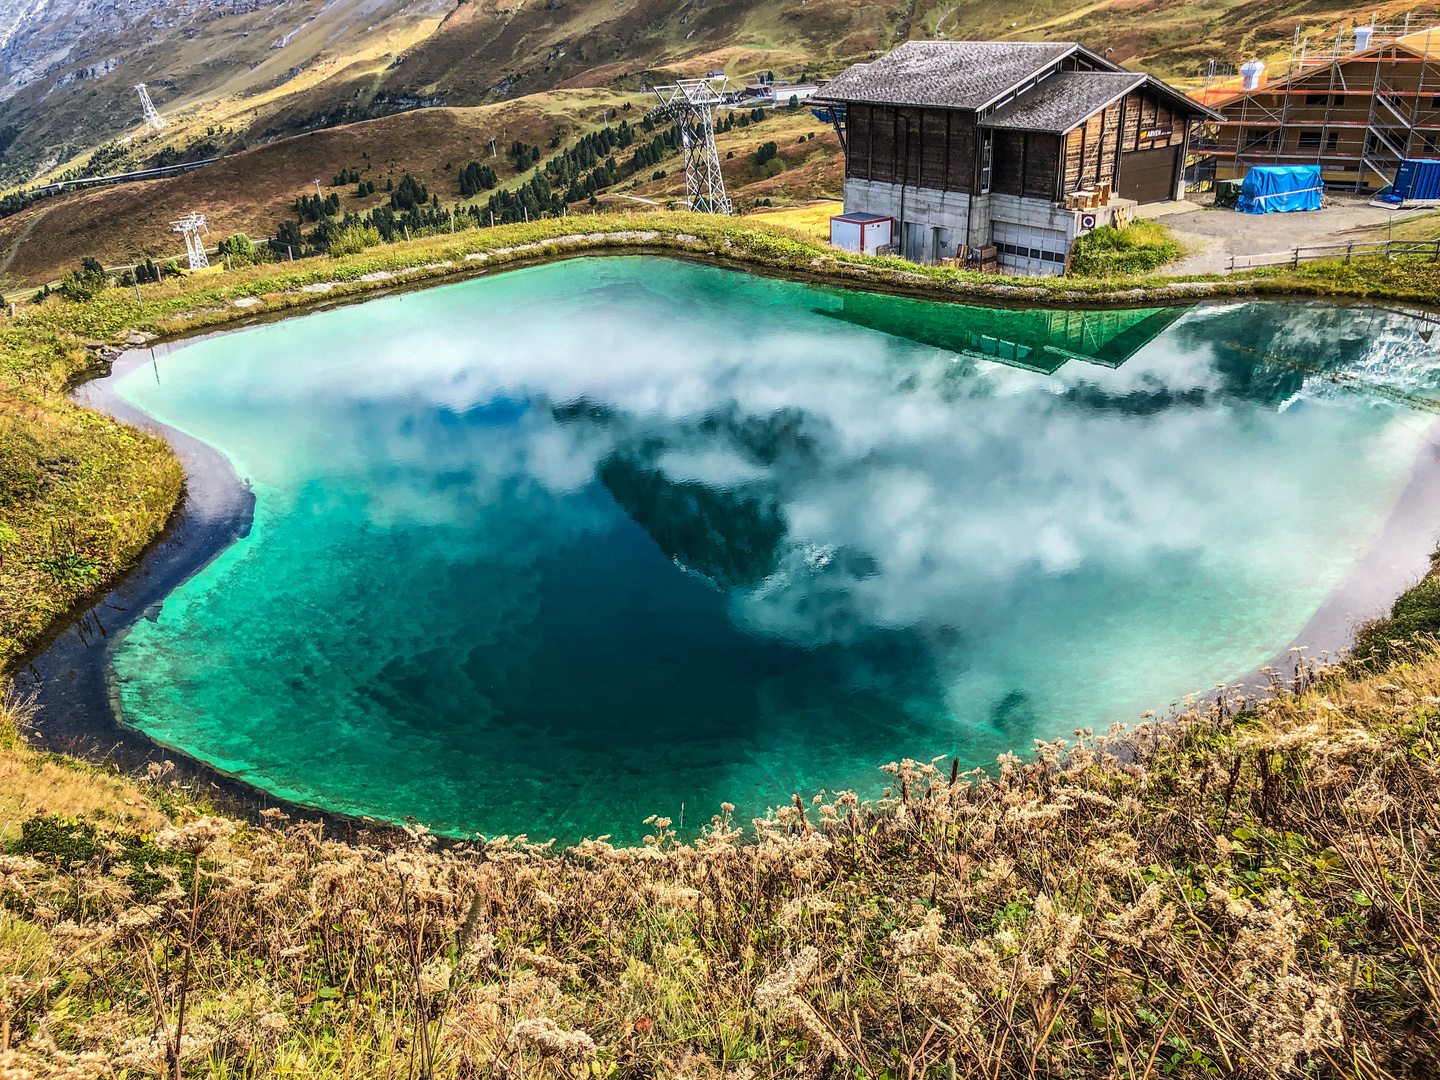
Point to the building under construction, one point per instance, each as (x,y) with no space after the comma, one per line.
(1356,108)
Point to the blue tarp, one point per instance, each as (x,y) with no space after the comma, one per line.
(1278,189)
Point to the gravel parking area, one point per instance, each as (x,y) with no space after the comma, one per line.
(1212,235)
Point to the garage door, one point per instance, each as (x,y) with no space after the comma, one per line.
(1149,175)
(1023,249)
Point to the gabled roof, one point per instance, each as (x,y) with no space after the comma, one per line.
(1067,99)
(950,74)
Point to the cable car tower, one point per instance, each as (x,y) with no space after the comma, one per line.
(191,225)
(153,120)
(691,103)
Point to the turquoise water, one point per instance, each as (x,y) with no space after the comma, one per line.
(551,551)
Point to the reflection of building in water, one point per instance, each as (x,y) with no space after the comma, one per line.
(1036,339)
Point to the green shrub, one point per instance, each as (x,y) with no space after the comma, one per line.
(1414,617)
(354,240)
(1137,249)
(86,283)
(243,252)
(237,246)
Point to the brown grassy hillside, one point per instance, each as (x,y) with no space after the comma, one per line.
(253,192)
(228,81)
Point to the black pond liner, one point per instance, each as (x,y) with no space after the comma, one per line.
(72,676)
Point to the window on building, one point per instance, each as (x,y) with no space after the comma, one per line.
(1259,140)
(987,155)
(1429,143)
(1336,100)
(1311,140)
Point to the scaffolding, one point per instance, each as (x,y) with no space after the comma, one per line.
(1389,66)
(691,104)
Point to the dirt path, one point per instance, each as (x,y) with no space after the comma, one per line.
(1212,236)
(15,247)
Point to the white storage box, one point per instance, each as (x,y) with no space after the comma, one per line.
(860,232)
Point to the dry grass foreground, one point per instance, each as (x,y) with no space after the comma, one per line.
(1249,894)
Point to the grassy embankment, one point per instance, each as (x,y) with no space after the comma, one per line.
(80,496)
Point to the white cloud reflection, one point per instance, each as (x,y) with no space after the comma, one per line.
(954,486)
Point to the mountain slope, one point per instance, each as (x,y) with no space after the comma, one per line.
(232,73)
(69,66)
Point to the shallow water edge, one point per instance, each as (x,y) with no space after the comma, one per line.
(72,675)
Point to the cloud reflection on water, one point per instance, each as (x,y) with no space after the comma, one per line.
(1031,551)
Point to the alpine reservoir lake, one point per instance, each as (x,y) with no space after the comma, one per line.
(550,551)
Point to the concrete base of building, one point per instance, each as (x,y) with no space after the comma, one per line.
(1033,236)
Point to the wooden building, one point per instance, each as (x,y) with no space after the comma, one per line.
(967,144)
(1356,113)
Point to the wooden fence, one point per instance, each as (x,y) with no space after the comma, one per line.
(1387,249)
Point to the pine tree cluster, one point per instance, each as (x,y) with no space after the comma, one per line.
(523,155)
(408,194)
(475,178)
(313,207)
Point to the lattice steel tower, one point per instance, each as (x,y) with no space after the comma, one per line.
(191,225)
(691,103)
(153,120)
